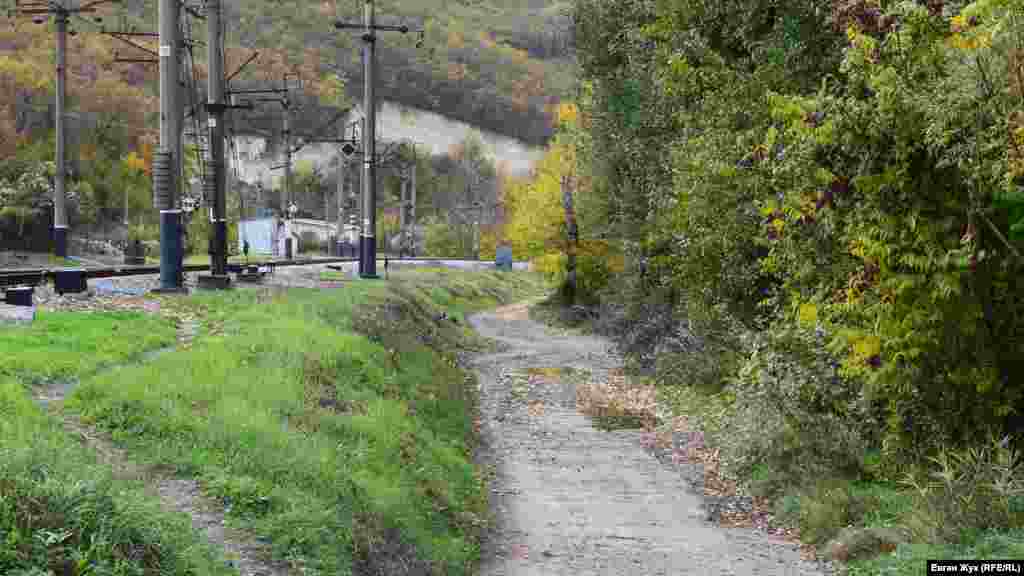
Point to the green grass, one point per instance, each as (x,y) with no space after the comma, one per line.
(59,509)
(64,344)
(333,276)
(335,424)
(909,559)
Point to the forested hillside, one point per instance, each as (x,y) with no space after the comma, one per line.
(496,66)
(805,221)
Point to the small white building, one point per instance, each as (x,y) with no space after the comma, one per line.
(261,233)
(267,235)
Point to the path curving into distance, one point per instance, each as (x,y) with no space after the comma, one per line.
(569,498)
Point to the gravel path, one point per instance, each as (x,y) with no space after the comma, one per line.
(571,499)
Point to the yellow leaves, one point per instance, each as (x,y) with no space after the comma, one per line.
(568,113)
(966,35)
(957,23)
(134,162)
(807,314)
(534,212)
(857,249)
(779,225)
(865,347)
(550,264)
(1015,152)
(961,42)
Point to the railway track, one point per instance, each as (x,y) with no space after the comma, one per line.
(36,276)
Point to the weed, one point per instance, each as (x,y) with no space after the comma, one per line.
(908,559)
(826,508)
(974,489)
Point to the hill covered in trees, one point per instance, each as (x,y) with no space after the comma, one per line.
(497,66)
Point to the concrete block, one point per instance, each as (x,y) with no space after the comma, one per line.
(17,314)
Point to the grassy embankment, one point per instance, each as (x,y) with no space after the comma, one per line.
(871,508)
(59,509)
(336,424)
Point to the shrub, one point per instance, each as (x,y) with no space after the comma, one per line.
(441,239)
(893,192)
(861,165)
(973,489)
(828,507)
(792,410)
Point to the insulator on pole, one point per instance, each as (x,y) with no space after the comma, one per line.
(163,178)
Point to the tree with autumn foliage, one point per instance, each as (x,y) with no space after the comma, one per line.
(535,225)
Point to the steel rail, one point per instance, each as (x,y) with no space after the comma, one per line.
(36,276)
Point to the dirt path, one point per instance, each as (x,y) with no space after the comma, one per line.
(175,494)
(573,499)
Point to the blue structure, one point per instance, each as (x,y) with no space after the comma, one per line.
(503,258)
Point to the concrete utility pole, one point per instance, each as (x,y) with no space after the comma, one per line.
(412,206)
(287,191)
(166,161)
(368,243)
(368,246)
(40,10)
(60,215)
(234,160)
(178,139)
(404,194)
(286,133)
(340,195)
(215,166)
